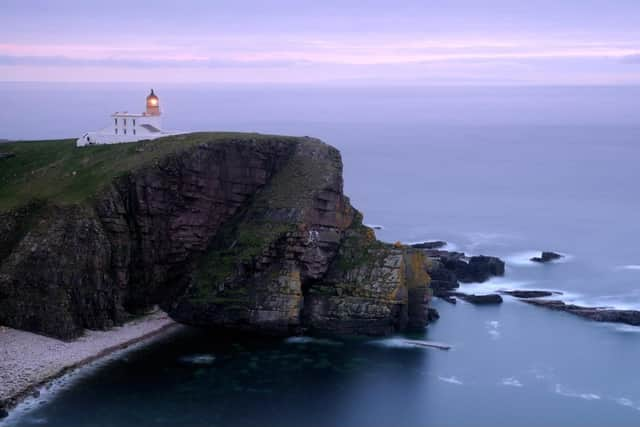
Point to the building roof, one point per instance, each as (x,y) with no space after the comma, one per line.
(126,114)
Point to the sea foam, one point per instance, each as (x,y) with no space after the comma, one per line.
(629,267)
(451,380)
(492,285)
(511,382)
(563,391)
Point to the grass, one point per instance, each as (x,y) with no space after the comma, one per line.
(59,172)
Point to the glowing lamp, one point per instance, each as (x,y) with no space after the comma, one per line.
(153,104)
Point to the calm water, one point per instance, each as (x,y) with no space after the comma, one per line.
(502,171)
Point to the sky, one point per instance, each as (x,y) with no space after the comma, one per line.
(465,42)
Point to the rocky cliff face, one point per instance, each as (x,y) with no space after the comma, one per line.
(249,234)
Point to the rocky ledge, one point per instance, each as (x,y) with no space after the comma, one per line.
(599,314)
(524,294)
(448,269)
(241,231)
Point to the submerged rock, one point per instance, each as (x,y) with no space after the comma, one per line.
(546,257)
(530,294)
(479,299)
(599,314)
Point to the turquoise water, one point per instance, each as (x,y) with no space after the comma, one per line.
(500,171)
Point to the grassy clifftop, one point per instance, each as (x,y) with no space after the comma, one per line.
(59,171)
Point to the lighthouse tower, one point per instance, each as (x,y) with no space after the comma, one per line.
(153,104)
(128,127)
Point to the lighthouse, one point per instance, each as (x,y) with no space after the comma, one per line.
(130,127)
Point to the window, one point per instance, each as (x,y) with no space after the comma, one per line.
(125,131)
(134,122)
(116,120)
(125,121)
(134,131)
(116,131)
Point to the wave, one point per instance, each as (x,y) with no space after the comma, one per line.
(511,382)
(629,301)
(627,328)
(623,401)
(198,359)
(408,343)
(394,343)
(563,391)
(492,328)
(45,393)
(481,238)
(628,267)
(541,372)
(492,285)
(451,380)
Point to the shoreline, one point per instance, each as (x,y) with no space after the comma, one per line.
(29,361)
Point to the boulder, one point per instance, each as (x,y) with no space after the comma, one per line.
(546,257)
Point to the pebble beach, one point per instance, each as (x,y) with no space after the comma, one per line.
(28,360)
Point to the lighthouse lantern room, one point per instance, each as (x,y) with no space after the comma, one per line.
(129,127)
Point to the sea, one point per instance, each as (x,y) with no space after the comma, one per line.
(504,170)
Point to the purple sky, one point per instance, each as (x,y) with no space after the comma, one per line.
(359,42)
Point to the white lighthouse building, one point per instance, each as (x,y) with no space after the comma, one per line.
(128,127)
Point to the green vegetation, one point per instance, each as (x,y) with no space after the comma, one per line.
(58,171)
(273,212)
(236,244)
(359,247)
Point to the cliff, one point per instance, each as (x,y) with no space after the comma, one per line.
(243,231)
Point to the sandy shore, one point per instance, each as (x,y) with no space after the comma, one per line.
(28,360)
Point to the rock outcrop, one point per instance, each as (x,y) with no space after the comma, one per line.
(598,314)
(448,269)
(524,294)
(479,299)
(247,233)
(546,257)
